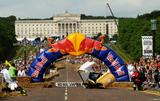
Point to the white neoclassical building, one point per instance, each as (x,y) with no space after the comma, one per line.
(63,24)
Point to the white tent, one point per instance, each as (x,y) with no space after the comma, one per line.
(54,35)
(19,39)
(31,39)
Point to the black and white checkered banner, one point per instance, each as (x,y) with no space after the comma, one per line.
(69,84)
(147,46)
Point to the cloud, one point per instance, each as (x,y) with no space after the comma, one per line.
(134,7)
(48,8)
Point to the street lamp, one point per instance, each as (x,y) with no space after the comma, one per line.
(66,34)
(25,53)
(153,29)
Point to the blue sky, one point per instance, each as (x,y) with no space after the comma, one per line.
(48,8)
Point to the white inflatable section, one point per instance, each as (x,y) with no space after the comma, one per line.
(87,66)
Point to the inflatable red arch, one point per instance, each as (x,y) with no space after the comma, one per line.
(77,44)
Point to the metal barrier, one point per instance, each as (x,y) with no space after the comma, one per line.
(1,78)
(1,81)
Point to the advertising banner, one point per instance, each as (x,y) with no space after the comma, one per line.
(147,46)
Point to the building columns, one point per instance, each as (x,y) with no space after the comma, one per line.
(64,28)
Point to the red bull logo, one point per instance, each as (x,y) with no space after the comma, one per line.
(76,44)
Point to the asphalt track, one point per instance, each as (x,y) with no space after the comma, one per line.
(79,93)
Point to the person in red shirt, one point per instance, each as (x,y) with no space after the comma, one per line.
(137,83)
(158,65)
(50,41)
(101,38)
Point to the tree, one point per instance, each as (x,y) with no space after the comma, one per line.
(96,37)
(106,39)
(130,32)
(115,37)
(7,36)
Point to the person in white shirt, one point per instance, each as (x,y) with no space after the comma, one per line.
(131,69)
(11,84)
(41,49)
(6,75)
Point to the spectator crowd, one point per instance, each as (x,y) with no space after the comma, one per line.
(148,69)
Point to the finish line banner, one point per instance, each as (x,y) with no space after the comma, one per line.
(147,46)
(69,84)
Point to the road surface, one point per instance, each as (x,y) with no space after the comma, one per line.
(79,93)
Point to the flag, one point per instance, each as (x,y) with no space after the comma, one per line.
(7,63)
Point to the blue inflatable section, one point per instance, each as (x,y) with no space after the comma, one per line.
(109,57)
(114,62)
(41,63)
